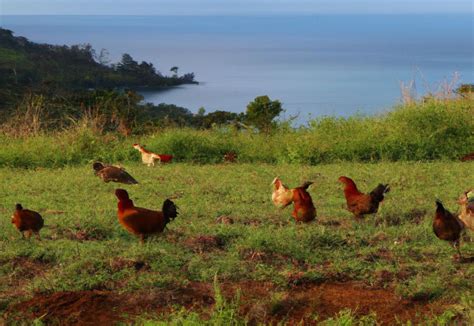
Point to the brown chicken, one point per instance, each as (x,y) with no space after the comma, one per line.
(282,196)
(359,203)
(467,209)
(468,157)
(303,208)
(447,226)
(113,173)
(230,157)
(27,221)
(141,221)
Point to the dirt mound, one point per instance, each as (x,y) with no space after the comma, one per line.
(118,264)
(204,243)
(107,307)
(77,233)
(28,268)
(326,300)
(270,258)
(23,270)
(260,302)
(301,303)
(74,308)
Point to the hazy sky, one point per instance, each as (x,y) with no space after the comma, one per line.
(230,7)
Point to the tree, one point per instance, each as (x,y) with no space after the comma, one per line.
(465,90)
(262,111)
(175,71)
(147,70)
(201,111)
(188,78)
(127,64)
(218,118)
(103,57)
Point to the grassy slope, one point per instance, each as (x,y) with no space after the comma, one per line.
(348,250)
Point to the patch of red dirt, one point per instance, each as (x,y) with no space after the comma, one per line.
(270,258)
(107,307)
(23,270)
(204,243)
(301,303)
(27,268)
(260,302)
(79,234)
(118,264)
(326,300)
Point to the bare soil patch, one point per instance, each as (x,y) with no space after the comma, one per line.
(204,243)
(107,307)
(78,234)
(118,264)
(23,270)
(27,268)
(326,300)
(259,302)
(270,258)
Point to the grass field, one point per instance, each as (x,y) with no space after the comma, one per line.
(264,268)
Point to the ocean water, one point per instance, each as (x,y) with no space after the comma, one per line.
(315,65)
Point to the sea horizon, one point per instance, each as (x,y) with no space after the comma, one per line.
(315,64)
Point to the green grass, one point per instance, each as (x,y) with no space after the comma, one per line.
(76,205)
(435,130)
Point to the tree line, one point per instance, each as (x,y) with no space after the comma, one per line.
(61,85)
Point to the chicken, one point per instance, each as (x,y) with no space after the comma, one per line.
(282,196)
(361,204)
(446,226)
(149,158)
(468,157)
(141,221)
(27,221)
(113,173)
(467,209)
(303,208)
(230,157)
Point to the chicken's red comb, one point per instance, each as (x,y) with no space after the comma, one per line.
(343,178)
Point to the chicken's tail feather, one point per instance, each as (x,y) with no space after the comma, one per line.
(170,210)
(306,184)
(378,193)
(130,180)
(439,206)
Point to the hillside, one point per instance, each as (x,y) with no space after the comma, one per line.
(26,66)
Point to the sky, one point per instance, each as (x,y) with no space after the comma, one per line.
(230,7)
